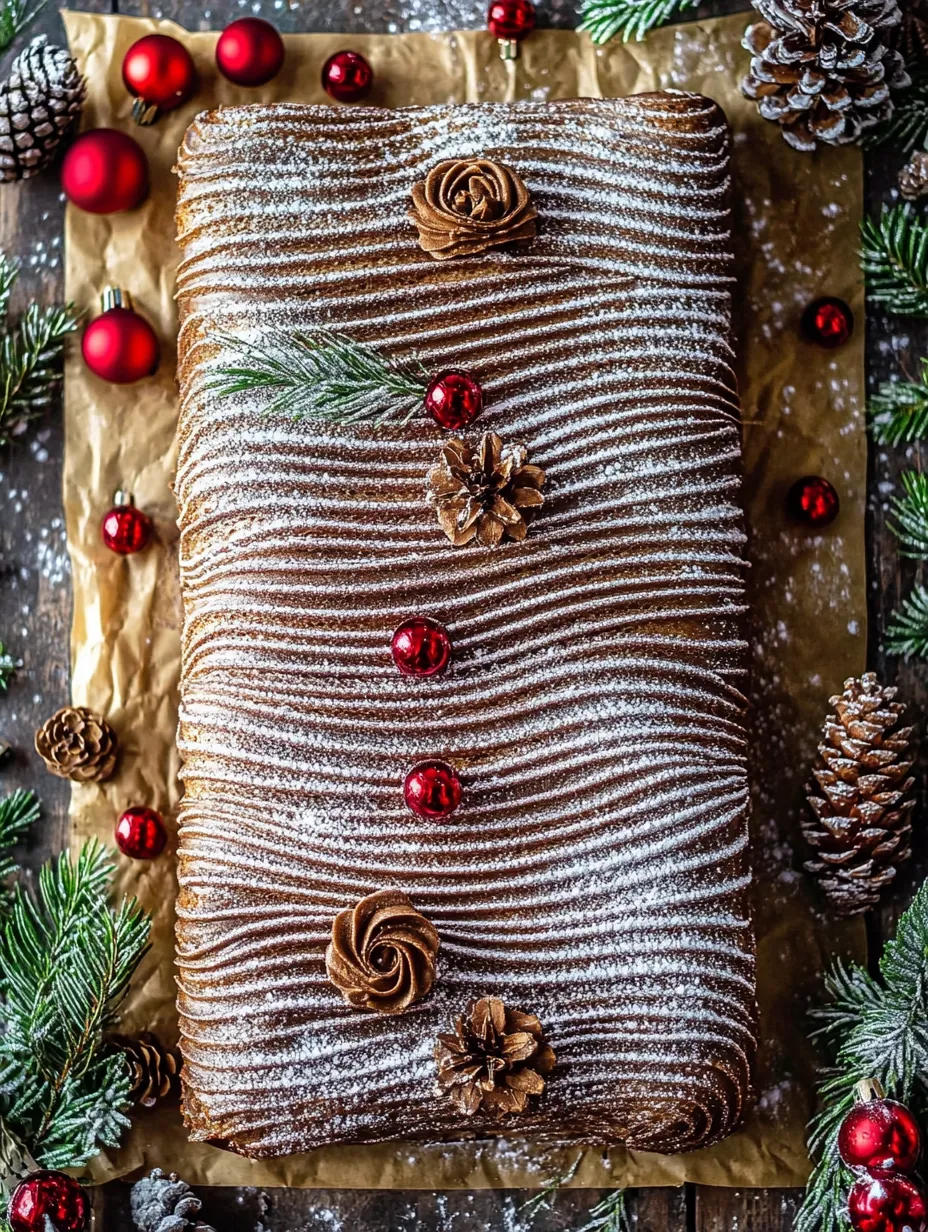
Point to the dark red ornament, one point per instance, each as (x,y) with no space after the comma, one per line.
(159,73)
(421,647)
(250,52)
(119,345)
(510,21)
(347,77)
(126,529)
(140,834)
(880,1133)
(432,789)
(828,321)
(453,399)
(886,1202)
(814,501)
(105,171)
(48,1196)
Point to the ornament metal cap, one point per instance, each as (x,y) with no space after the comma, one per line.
(508,49)
(144,113)
(121,498)
(868,1089)
(115,297)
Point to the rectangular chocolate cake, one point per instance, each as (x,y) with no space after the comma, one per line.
(464,834)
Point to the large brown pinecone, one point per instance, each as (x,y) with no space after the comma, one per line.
(39,101)
(823,69)
(861,801)
(152,1068)
(77,744)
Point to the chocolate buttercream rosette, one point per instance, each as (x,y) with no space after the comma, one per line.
(464,207)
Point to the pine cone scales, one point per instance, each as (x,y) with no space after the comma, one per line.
(164,1203)
(861,801)
(77,744)
(152,1068)
(913,178)
(39,102)
(487,493)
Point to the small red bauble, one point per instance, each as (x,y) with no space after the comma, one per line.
(250,52)
(48,1196)
(828,321)
(886,1202)
(119,345)
(453,399)
(347,77)
(813,500)
(432,789)
(140,834)
(880,1133)
(105,171)
(510,21)
(421,647)
(159,73)
(125,528)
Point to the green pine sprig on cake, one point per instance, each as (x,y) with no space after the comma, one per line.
(899,412)
(632,19)
(907,630)
(894,259)
(15,16)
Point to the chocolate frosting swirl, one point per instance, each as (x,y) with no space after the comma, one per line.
(382,953)
(466,206)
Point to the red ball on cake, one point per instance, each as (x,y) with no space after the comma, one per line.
(47,1199)
(814,501)
(886,1202)
(421,647)
(432,789)
(510,21)
(828,321)
(880,1133)
(140,834)
(453,399)
(105,171)
(119,345)
(126,529)
(347,77)
(158,71)
(250,52)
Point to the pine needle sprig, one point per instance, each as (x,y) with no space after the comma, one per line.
(907,630)
(15,16)
(324,375)
(907,127)
(543,1199)
(910,512)
(18,811)
(30,365)
(894,259)
(899,412)
(610,1215)
(632,19)
(8,666)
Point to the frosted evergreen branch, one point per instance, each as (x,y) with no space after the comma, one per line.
(899,412)
(907,127)
(542,1200)
(894,260)
(8,666)
(910,513)
(15,16)
(610,1215)
(18,811)
(632,19)
(907,631)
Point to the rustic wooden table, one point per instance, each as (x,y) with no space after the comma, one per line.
(35,621)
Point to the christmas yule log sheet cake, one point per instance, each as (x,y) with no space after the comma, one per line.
(464,840)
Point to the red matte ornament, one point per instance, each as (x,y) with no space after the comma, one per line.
(105,171)
(140,834)
(48,1199)
(453,399)
(126,529)
(510,21)
(250,52)
(347,77)
(814,501)
(159,73)
(828,321)
(886,1202)
(880,1133)
(421,647)
(432,789)
(119,345)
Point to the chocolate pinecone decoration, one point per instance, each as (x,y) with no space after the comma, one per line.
(913,178)
(77,744)
(152,1068)
(823,69)
(165,1203)
(39,101)
(484,493)
(495,1061)
(861,801)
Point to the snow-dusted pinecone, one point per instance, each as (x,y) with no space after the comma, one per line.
(39,101)
(823,69)
(165,1203)
(913,178)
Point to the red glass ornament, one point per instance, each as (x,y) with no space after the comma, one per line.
(347,77)
(105,171)
(125,528)
(828,321)
(813,500)
(510,21)
(48,1196)
(453,399)
(421,647)
(159,73)
(886,1202)
(140,834)
(432,789)
(250,52)
(119,345)
(880,1133)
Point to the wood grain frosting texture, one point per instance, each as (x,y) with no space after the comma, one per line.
(596,874)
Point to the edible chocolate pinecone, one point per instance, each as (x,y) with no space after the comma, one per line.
(823,69)
(913,178)
(39,101)
(496,1059)
(77,744)
(485,493)
(165,1203)
(861,801)
(152,1068)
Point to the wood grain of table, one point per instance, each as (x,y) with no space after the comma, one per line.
(35,610)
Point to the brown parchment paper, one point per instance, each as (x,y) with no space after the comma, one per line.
(795,234)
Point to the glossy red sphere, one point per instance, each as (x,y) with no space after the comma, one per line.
(880,1133)
(511,20)
(453,399)
(160,71)
(432,789)
(120,346)
(421,647)
(48,1196)
(105,171)
(347,77)
(250,52)
(814,501)
(140,834)
(828,321)
(886,1202)
(126,530)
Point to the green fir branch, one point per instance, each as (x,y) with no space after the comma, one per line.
(18,811)
(542,1201)
(899,412)
(894,259)
(15,16)
(632,19)
(907,127)
(910,512)
(610,1215)
(325,376)
(907,630)
(8,666)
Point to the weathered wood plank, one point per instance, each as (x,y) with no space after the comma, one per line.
(747,1210)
